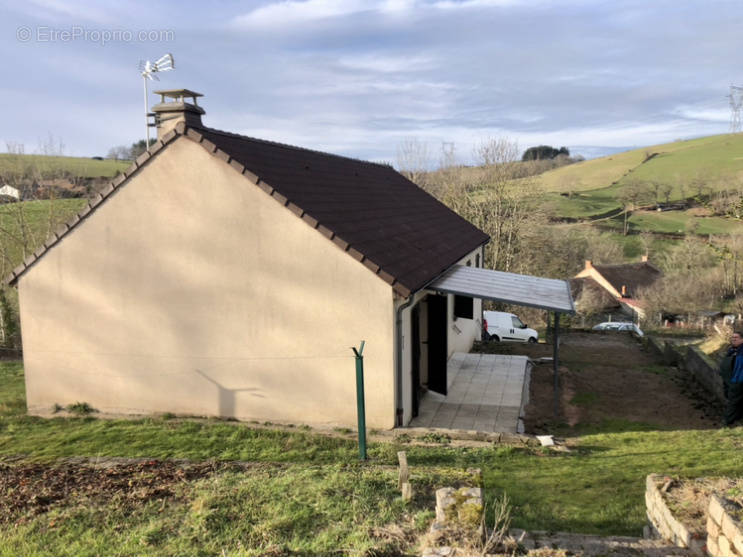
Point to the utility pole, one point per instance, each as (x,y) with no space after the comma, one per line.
(736,101)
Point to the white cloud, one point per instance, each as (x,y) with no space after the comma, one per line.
(469,4)
(70,10)
(294,12)
(720,114)
(385,63)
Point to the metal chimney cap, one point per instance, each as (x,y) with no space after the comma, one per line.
(178,95)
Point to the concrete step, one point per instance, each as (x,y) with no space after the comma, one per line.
(575,544)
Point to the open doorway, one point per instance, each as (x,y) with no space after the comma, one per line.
(437,353)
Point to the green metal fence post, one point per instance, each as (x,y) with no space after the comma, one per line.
(360,400)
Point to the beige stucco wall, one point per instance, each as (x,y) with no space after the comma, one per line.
(461,333)
(192,291)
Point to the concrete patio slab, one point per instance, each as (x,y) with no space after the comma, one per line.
(487,392)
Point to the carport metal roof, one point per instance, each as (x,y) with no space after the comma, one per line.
(518,289)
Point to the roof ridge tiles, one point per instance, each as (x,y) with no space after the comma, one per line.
(284,145)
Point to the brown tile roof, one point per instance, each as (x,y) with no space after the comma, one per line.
(396,229)
(632,275)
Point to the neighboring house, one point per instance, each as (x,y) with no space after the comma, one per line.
(621,282)
(8,193)
(230,276)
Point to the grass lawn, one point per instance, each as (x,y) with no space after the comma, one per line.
(309,495)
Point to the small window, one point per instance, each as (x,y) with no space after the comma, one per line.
(469,263)
(517,324)
(464,307)
(477,260)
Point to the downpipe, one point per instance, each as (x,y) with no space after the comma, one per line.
(398,359)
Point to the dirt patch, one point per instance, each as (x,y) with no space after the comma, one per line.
(610,377)
(688,499)
(30,489)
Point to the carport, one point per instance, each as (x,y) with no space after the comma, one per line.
(517,289)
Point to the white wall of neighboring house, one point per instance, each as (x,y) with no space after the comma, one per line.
(10,192)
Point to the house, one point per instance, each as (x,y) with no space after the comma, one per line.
(620,282)
(224,275)
(9,194)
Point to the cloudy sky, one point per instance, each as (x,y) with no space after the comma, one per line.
(358,77)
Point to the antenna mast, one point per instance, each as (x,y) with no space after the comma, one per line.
(736,102)
(148,70)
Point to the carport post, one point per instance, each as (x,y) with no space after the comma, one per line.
(555,358)
(361,412)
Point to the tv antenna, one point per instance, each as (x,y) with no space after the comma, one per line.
(736,102)
(149,71)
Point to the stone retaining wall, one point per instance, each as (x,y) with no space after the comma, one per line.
(662,521)
(702,369)
(724,532)
(724,535)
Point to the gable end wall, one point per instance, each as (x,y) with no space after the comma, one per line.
(191,291)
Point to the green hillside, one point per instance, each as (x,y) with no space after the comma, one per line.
(719,159)
(28,224)
(57,166)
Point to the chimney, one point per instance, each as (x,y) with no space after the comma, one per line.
(176,105)
(644,258)
(589,264)
(624,290)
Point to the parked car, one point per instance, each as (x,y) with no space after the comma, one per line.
(619,326)
(498,325)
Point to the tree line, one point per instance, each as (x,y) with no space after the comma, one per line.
(500,195)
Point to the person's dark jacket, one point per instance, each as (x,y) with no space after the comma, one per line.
(731,366)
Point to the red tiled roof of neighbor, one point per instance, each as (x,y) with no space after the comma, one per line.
(396,229)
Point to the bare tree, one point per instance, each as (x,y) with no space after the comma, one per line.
(119,152)
(631,196)
(666,189)
(493,200)
(414,160)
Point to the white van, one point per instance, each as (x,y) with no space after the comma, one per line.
(498,326)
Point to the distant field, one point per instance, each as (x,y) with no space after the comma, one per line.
(718,162)
(716,158)
(583,205)
(684,222)
(591,174)
(39,218)
(57,165)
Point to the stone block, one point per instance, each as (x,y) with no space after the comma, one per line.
(713,529)
(738,544)
(651,483)
(716,510)
(444,501)
(682,533)
(712,548)
(724,546)
(728,527)
(475,493)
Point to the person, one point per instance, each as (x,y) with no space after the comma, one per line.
(731,371)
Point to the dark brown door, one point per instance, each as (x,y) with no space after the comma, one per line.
(437,343)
